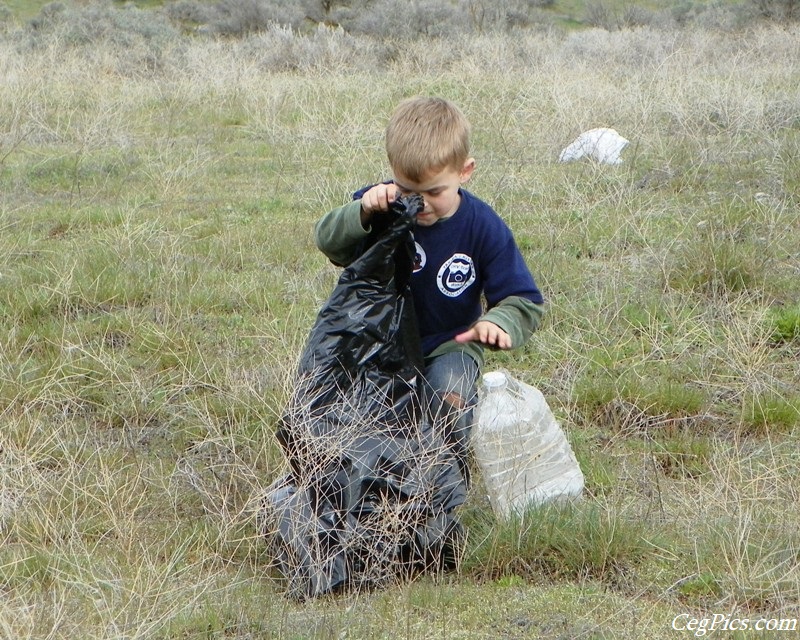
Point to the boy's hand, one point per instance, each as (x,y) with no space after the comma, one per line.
(486,333)
(377,199)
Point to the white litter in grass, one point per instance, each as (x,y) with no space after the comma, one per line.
(602,144)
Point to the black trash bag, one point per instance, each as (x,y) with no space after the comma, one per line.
(372,487)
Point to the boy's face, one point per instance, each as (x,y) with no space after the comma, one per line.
(439,189)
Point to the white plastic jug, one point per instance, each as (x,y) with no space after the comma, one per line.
(523,454)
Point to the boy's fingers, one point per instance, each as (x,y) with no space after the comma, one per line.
(379,198)
(473,334)
(389,193)
(484,334)
(488,335)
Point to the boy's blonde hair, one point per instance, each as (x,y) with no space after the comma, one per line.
(426,134)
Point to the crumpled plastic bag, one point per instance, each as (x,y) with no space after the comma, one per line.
(372,487)
(602,144)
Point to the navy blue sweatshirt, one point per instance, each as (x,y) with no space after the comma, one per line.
(473,252)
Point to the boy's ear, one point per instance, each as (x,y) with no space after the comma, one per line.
(467,170)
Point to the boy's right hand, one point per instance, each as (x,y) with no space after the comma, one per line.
(377,200)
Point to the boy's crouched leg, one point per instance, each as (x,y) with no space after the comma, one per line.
(451,395)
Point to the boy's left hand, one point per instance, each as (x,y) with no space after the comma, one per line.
(487,333)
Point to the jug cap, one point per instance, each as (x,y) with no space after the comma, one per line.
(494,379)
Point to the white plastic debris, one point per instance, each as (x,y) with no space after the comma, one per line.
(602,144)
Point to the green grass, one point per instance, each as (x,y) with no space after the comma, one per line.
(785,324)
(558,542)
(26,9)
(158,279)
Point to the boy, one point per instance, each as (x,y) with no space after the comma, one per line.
(464,250)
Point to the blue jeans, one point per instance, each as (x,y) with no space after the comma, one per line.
(450,395)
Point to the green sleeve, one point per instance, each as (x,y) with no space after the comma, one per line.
(339,232)
(518,317)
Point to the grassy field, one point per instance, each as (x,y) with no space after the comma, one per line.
(158,279)
(570,12)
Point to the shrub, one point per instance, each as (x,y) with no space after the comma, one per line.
(633,16)
(398,19)
(712,15)
(76,25)
(485,16)
(280,49)
(777,9)
(243,17)
(5,13)
(598,14)
(189,14)
(323,11)
(721,18)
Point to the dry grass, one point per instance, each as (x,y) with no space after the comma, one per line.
(158,279)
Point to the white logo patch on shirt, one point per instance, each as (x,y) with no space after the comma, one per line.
(456,275)
(420,259)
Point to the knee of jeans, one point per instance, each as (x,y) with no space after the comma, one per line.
(455,400)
